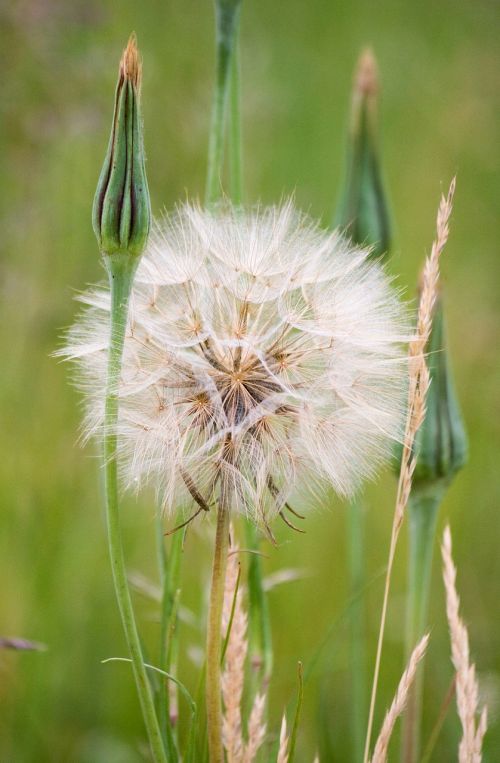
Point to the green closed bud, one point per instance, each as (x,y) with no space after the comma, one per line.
(363,210)
(121,214)
(441,442)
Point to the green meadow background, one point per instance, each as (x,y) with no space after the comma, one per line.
(440,67)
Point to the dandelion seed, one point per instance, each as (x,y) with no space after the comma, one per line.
(261,353)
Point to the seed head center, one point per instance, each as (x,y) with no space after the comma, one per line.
(238,376)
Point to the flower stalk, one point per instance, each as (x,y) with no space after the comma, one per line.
(121,220)
(363,213)
(121,269)
(226,27)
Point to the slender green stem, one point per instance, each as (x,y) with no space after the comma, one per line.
(214,635)
(357,650)
(296,718)
(121,268)
(423,509)
(235,143)
(227,634)
(443,712)
(380,640)
(260,638)
(226,23)
(170,568)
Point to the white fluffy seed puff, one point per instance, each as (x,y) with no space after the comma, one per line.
(261,355)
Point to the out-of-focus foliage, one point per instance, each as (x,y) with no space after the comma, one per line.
(440,71)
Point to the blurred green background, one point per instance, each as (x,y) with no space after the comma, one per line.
(440,67)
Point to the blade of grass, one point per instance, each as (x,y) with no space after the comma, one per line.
(231,618)
(169,676)
(336,622)
(170,571)
(260,637)
(296,719)
(357,641)
(443,712)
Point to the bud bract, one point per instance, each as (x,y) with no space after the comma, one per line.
(441,442)
(121,212)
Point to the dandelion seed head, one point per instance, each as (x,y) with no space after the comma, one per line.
(261,353)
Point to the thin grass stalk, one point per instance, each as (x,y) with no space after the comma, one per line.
(170,567)
(200,698)
(214,634)
(121,269)
(190,751)
(226,26)
(232,613)
(332,630)
(418,387)
(162,559)
(260,635)
(171,662)
(296,718)
(399,702)
(357,651)
(169,577)
(443,712)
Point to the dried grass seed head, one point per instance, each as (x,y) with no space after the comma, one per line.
(261,353)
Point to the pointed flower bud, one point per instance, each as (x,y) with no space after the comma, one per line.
(121,213)
(363,209)
(441,443)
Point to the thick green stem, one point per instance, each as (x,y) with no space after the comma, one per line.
(423,509)
(226,21)
(121,269)
(214,635)
(357,656)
